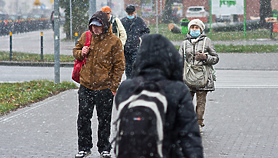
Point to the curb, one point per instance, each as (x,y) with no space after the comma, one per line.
(36,64)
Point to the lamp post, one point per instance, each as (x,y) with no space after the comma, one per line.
(56,42)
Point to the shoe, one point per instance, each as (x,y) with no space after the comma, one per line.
(82,154)
(105,154)
(200,128)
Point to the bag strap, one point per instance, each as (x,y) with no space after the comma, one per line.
(88,38)
(203,50)
(183,57)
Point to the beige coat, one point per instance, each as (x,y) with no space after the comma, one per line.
(190,46)
(121,31)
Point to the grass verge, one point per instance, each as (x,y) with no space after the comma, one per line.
(18,95)
(5,56)
(216,36)
(19,56)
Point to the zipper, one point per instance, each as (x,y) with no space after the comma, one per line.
(194,53)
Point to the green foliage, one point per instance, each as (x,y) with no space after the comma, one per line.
(16,95)
(18,56)
(80,16)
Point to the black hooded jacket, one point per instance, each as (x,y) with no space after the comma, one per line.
(157,60)
(134,28)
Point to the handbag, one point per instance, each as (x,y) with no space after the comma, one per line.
(195,75)
(79,63)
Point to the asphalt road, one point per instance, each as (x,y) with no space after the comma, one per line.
(225,78)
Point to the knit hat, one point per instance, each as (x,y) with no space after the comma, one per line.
(197,22)
(106,9)
(130,8)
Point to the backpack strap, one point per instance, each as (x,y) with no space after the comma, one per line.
(87,41)
(88,38)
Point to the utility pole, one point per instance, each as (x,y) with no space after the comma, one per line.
(92,8)
(56,42)
(156,14)
(109,3)
(70,20)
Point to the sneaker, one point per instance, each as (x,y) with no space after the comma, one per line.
(105,154)
(200,128)
(81,154)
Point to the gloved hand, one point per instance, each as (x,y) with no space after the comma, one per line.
(200,56)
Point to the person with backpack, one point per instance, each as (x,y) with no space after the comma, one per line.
(117,26)
(156,116)
(135,27)
(199,56)
(99,80)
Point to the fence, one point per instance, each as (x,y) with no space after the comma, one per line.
(23,25)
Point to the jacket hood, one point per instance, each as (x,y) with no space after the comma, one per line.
(102,17)
(158,56)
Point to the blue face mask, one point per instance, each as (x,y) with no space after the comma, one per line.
(195,33)
(130,17)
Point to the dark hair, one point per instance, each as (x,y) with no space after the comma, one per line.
(130,8)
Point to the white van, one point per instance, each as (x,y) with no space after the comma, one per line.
(197,12)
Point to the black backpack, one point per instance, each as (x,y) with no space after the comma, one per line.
(140,123)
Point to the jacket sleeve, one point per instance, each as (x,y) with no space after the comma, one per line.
(188,131)
(144,28)
(212,55)
(122,32)
(118,67)
(77,50)
(181,50)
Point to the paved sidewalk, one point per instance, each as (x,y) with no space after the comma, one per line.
(239,123)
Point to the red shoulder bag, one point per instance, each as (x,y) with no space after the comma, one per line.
(79,63)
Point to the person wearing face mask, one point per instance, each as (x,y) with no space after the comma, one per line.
(117,26)
(135,28)
(197,49)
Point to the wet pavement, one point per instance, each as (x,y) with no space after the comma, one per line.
(240,122)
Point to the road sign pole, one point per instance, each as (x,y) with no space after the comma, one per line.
(56,42)
(11,46)
(41,46)
(92,8)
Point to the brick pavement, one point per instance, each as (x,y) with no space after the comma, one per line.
(240,122)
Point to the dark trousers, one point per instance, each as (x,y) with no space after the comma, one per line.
(88,99)
(129,60)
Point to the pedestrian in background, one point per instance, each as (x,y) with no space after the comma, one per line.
(117,26)
(135,27)
(159,61)
(99,80)
(192,51)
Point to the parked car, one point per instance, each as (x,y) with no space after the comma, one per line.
(223,18)
(197,12)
